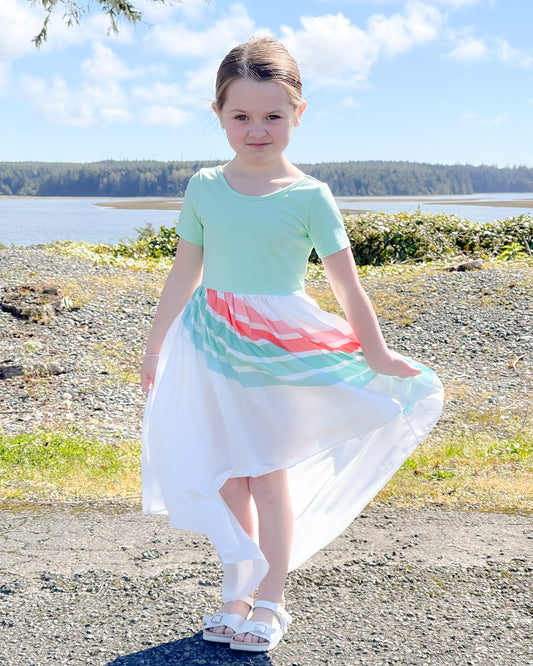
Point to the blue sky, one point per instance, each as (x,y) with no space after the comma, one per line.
(439,81)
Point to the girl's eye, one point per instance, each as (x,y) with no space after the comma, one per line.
(273,116)
(241,116)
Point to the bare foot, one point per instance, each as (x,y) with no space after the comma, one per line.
(239,607)
(259,615)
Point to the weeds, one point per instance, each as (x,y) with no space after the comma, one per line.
(468,469)
(48,464)
(487,463)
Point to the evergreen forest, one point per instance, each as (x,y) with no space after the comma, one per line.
(169,179)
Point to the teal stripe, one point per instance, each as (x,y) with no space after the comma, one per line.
(263,363)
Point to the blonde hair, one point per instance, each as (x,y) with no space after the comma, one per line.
(260,59)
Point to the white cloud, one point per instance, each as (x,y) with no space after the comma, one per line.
(332,51)
(400,33)
(105,65)
(86,105)
(19,23)
(93,27)
(453,4)
(349,103)
(100,97)
(4,76)
(192,10)
(469,48)
(345,53)
(97,100)
(165,116)
(166,93)
(178,39)
(483,121)
(512,56)
(201,82)
(166,96)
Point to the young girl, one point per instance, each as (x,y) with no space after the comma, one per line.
(270,423)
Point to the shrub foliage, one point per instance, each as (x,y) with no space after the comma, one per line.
(151,244)
(382,238)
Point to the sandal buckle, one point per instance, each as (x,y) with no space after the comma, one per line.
(261,627)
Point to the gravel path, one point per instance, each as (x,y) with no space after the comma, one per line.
(91,586)
(100,585)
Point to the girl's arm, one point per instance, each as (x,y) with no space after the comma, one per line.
(342,273)
(184,277)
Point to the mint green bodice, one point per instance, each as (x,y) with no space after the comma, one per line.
(259,244)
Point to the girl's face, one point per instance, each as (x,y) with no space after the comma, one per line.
(258,119)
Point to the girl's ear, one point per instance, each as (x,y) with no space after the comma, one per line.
(299,112)
(217,111)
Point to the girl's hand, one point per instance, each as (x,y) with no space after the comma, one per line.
(394,366)
(148,368)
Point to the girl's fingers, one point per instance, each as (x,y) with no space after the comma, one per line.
(405,370)
(397,367)
(148,369)
(411,372)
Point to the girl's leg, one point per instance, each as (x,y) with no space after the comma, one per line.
(236,494)
(275,518)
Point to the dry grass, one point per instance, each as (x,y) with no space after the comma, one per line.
(81,291)
(485,464)
(51,465)
(119,361)
(488,463)
(466,469)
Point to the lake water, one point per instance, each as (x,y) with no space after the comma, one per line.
(34,220)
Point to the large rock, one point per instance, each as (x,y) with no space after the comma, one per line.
(12,368)
(34,302)
(471,265)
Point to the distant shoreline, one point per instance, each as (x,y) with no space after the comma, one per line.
(516,203)
(174,203)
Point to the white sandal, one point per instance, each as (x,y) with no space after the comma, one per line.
(271,635)
(232,620)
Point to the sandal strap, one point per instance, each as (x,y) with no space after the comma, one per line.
(259,629)
(231,620)
(282,615)
(248,600)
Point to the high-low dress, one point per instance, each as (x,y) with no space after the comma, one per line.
(254,377)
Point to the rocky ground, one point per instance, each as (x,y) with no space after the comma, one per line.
(103,584)
(95,586)
(474,328)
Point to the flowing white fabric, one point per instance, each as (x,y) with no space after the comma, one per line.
(247,385)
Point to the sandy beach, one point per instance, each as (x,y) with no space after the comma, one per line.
(175,204)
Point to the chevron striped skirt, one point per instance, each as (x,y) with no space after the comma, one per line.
(249,384)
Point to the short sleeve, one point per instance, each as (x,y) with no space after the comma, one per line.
(189,226)
(326,227)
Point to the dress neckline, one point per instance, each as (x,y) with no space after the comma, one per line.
(220,174)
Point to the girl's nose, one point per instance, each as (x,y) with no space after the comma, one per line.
(257,128)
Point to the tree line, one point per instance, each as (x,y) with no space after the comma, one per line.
(169,179)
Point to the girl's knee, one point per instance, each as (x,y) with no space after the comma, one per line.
(272,484)
(236,487)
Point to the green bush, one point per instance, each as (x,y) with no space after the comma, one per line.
(383,238)
(149,244)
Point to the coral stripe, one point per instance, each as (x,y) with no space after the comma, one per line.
(249,323)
